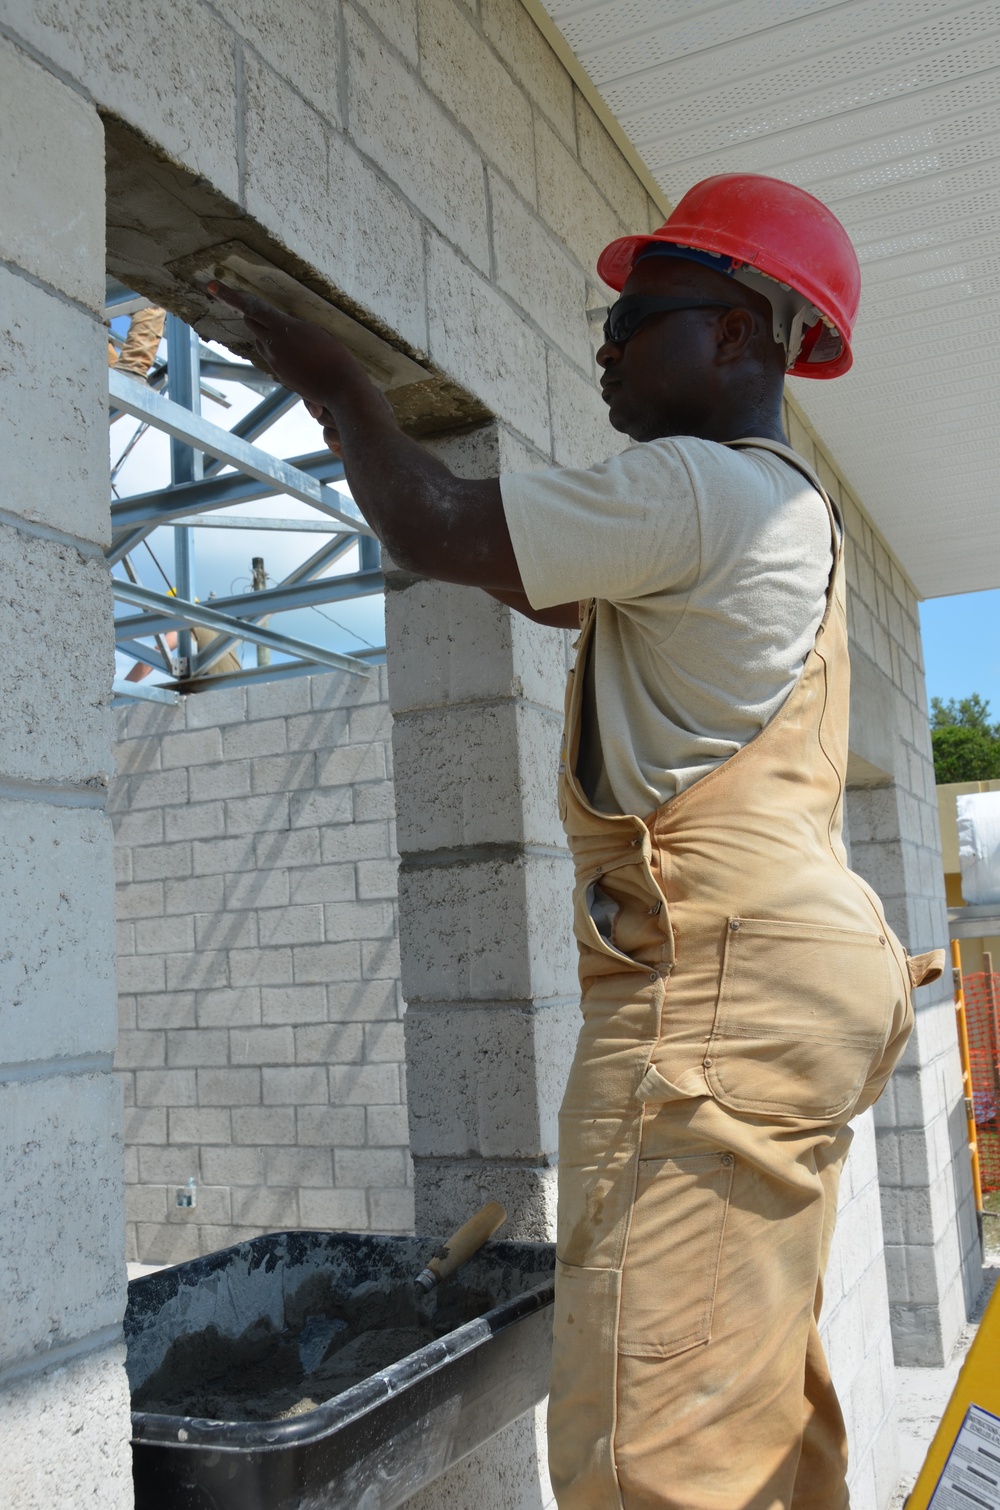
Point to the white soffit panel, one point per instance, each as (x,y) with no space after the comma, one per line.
(889,111)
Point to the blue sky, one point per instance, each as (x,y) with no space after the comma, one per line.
(962,646)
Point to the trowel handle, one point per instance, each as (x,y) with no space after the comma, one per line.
(462,1244)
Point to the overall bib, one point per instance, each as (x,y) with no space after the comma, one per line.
(743,997)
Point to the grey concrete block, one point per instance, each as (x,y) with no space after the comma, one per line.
(532,62)
(322,883)
(261,1046)
(478,90)
(319,963)
(55,623)
(157,862)
(535,270)
(57,981)
(251,815)
(379,1168)
(197,971)
(331,1126)
(307,55)
(292,848)
(377,879)
(233,1166)
(212,857)
(252,739)
(291,925)
(226,930)
(283,773)
(320,807)
(603,161)
(481,341)
(197,1048)
(335,1210)
(358,1085)
(448,1191)
(329,1043)
(229,1087)
(140,1050)
(145,1124)
(581,434)
(386,1127)
(209,783)
(145,828)
(267,1208)
(391,1210)
(61,1212)
(396,122)
(203,820)
(140,973)
(357,841)
(64,1435)
(163,935)
(569,202)
(397,21)
(364,1001)
(300,1167)
(163,1087)
(263,1124)
(52,407)
(293,1004)
(229,1008)
(295,1086)
(199,1124)
(167,1166)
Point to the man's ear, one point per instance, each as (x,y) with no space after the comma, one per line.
(736,333)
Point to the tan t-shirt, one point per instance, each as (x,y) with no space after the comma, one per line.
(710,567)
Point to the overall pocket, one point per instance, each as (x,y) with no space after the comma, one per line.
(803,1011)
(674,1249)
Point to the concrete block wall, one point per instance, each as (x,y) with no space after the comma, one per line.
(932,1245)
(64,1429)
(260,1044)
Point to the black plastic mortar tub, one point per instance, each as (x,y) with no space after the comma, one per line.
(376,1442)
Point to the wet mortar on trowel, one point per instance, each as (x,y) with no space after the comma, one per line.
(329,1342)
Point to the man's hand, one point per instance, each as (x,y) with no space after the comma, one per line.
(310,361)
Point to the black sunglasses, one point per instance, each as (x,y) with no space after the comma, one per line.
(626,315)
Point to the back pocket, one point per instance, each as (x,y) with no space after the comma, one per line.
(803,1010)
(671,1265)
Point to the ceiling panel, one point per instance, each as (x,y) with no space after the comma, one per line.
(889,111)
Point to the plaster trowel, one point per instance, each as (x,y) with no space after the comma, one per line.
(469,1238)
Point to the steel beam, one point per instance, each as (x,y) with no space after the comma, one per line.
(165,504)
(167,612)
(258,522)
(272,673)
(174,611)
(138,399)
(121,688)
(262,416)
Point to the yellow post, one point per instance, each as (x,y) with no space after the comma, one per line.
(963,1049)
(962,1467)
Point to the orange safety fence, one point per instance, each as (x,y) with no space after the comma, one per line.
(982,1016)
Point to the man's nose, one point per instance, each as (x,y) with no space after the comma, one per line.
(608,352)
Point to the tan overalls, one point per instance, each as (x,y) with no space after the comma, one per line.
(742,1000)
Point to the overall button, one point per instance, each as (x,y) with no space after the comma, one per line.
(655,909)
(734,925)
(707,1063)
(727,1159)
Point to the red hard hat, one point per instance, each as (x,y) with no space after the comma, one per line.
(777,229)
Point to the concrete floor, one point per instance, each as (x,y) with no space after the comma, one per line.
(924,1392)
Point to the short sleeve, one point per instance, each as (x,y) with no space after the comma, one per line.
(618,531)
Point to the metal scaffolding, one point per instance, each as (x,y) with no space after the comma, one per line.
(199,488)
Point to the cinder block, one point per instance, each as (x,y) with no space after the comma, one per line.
(64,1435)
(531,62)
(61,1212)
(326,726)
(387,1127)
(377,879)
(318,808)
(567,199)
(251,815)
(266,1208)
(139,900)
(477,338)
(233,1166)
(396,122)
(372,722)
(307,55)
(283,773)
(57,974)
(361,920)
(581,434)
(319,963)
(375,800)
(466,75)
(291,925)
(157,862)
(384,1041)
(262,1046)
(380,1168)
(249,740)
(167,1166)
(603,160)
(293,1004)
(145,1203)
(258,1125)
(193,747)
(215,857)
(331,1126)
(309,1167)
(350,764)
(145,1124)
(196,1048)
(165,1088)
(539,276)
(334,1210)
(364,1000)
(137,1050)
(322,883)
(140,973)
(477,775)
(330,1043)
(260,967)
(357,841)
(144,828)
(55,622)
(291,848)
(163,1243)
(447,1191)
(380,958)
(391,1210)
(295,1087)
(202,820)
(358,1085)
(187,972)
(212,709)
(194,894)
(164,935)
(199,1124)
(239,1007)
(210,783)
(51,407)
(168,66)
(226,930)
(514,917)
(229,1087)
(154,789)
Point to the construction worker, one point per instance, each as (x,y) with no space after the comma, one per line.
(743,996)
(141,343)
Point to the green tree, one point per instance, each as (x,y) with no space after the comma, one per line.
(966,744)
